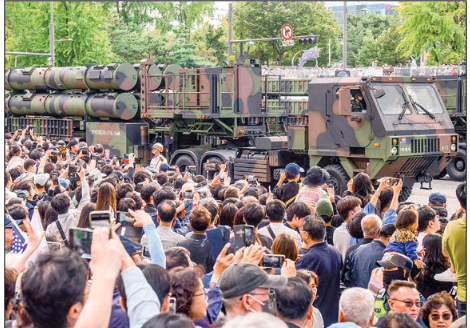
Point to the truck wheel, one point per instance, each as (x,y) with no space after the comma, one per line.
(405,193)
(338,178)
(457,168)
(183,161)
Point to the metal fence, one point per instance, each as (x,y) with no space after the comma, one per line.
(313,72)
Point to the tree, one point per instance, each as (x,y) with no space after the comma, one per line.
(358,26)
(211,43)
(369,51)
(265,19)
(84,22)
(388,43)
(436,27)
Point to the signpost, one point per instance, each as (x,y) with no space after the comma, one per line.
(288,43)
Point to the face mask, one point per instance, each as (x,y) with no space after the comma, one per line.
(268,306)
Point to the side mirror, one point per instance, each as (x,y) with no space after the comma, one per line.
(344,108)
(379,93)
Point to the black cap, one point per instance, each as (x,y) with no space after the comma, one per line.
(392,260)
(388,230)
(241,278)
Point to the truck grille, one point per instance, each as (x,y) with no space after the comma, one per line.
(413,166)
(425,145)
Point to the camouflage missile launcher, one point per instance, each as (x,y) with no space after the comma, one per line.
(453,90)
(257,125)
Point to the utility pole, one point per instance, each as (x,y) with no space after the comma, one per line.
(51,36)
(345,35)
(230,26)
(329,52)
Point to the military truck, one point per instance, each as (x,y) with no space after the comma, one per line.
(258,124)
(453,91)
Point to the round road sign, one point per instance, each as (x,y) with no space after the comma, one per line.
(287,32)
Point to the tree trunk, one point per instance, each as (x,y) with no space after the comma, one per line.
(117,8)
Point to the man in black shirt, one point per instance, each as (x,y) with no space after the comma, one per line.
(288,191)
(198,244)
(324,210)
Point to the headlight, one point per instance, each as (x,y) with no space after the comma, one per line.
(394,150)
(453,147)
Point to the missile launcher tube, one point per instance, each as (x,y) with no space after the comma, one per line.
(111,105)
(98,77)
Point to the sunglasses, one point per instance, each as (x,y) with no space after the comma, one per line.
(410,303)
(437,317)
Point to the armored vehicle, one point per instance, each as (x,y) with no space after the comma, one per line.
(453,91)
(384,126)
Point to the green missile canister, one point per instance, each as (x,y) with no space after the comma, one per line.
(62,78)
(25,79)
(112,76)
(156,74)
(111,105)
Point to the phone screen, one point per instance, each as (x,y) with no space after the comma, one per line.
(273,261)
(80,241)
(124,218)
(146,252)
(249,235)
(239,232)
(172,305)
(100,219)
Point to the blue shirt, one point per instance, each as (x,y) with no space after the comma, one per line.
(363,261)
(326,261)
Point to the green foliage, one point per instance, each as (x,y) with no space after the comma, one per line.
(362,29)
(211,43)
(256,19)
(436,27)
(84,22)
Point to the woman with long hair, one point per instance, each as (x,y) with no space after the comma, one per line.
(106,198)
(362,188)
(436,263)
(228,215)
(84,220)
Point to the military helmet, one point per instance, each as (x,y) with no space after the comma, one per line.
(157,146)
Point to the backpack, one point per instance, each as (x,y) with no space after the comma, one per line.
(381,307)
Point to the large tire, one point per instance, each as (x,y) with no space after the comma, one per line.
(338,178)
(183,161)
(405,193)
(457,168)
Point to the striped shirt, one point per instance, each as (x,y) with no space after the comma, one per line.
(310,196)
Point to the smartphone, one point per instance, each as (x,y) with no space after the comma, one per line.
(172,305)
(146,252)
(80,241)
(54,176)
(211,167)
(273,261)
(252,180)
(127,228)
(72,168)
(188,195)
(191,169)
(244,235)
(100,219)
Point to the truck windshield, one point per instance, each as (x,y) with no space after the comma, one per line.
(425,96)
(392,101)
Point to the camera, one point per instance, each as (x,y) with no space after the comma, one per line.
(188,195)
(211,167)
(72,168)
(95,156)
(191,169)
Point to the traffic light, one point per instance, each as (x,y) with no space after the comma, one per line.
(308,40)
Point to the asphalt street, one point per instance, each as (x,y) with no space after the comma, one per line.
(445,186)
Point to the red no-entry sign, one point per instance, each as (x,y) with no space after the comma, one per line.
(287,32)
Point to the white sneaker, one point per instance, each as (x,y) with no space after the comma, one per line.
(446,276)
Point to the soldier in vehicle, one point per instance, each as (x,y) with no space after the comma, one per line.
(356,104)
(158,157)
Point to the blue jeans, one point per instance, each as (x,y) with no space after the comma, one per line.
(461,308)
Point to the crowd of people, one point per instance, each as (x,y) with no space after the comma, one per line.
(182,250)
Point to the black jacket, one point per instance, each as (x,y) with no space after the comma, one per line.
(201,251)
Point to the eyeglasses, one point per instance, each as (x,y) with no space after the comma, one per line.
(437,317)
(203,293)
(410,303)
(271,294)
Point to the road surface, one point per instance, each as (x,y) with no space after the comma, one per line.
(445,186)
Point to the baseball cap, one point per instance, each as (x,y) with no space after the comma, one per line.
(41,179)
(163,167)
(388,230)
(392,260)
(437,199)
(241,278)
(130,245)
(324,207)
(65,183)
(293,169)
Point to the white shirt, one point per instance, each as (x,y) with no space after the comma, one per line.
(342,239)
(421,236)
(157,161)
(280,228)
